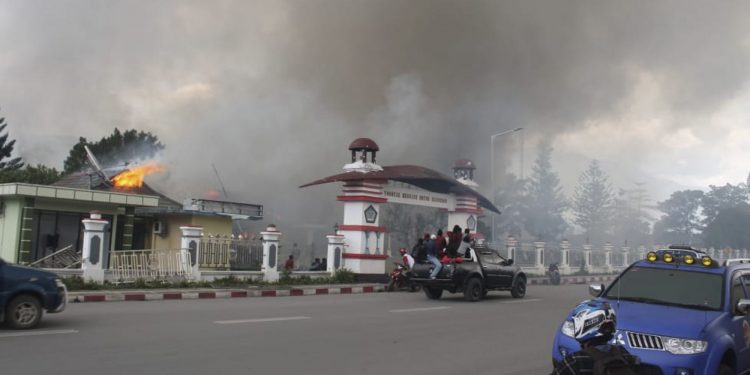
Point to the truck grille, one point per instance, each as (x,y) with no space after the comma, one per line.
(644,341)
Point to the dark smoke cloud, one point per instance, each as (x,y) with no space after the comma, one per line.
(272,92)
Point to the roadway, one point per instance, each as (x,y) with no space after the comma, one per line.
(376,333)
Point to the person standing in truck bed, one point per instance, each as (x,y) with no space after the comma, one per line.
(432,253)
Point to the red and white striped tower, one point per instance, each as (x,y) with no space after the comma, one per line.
(465,211)
(365,238)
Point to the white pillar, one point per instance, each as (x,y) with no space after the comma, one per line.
(539,261)
(270,267)
(335,252)
(587,258)
(625,256)
(510,246)
(564,257)
(608,257)
(93,248)
(190,250)
(365,237)
(464,211)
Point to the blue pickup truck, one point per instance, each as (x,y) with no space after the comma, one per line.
(25,293)
(679,311)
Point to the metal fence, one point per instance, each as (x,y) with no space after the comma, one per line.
(525,255)
(227,253)
(130,265)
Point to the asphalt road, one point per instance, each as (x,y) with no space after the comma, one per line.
(401,333)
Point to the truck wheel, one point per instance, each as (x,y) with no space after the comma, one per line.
(725,370)
(473,291)
(433,293)
(23,312)
(519,288)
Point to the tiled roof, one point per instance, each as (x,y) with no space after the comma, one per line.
(421,177)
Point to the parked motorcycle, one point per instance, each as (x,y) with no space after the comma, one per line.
(400,278)
(554,274)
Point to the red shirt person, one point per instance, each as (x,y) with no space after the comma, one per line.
(289,265)
(440,243)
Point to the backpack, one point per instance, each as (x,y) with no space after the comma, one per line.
(612,362)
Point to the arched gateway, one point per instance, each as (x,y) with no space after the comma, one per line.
(366,188)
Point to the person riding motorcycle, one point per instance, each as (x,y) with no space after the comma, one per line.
(407,258)
(554,274)
(594,325)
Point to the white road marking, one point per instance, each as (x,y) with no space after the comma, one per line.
(38,333)
(420,309)
(525,300)
(263,320)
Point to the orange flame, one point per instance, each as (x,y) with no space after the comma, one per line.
(133,178)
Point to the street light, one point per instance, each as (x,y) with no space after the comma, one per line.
(492,170)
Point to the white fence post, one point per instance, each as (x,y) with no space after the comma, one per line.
(190,250)
(270,267)
(608,257)
(625,256)
(510,246)
(335,252)
(564,266)
(641,252)
(587,258)
(93,248)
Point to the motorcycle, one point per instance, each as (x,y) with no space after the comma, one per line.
(554,274)
(400,277)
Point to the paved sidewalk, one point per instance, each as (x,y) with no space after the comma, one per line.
(291,291)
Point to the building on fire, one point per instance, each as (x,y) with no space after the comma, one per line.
(38,220)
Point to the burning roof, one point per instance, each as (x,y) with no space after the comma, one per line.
(96,181)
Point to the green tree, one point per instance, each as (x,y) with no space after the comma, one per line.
(6,149)
(632,222)
(681,222)
(118,147)
(545,203)
(39,174)
(719,198)
(511,201)
(729,228)
(593,202)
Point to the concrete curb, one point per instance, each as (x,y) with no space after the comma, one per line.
(160,295)
(299,291)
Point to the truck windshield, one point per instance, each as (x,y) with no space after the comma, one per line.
(690,289)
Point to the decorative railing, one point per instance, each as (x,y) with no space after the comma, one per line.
(130,265)
(228,253)
(67,257)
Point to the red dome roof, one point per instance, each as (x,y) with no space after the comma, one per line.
(464,163)
(364,144)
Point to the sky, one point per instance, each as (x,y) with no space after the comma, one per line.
(273,92)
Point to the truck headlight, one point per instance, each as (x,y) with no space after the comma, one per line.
(59,283)
(684,346)
(567,329)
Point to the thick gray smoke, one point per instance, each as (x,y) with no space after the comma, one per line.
(272,92)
